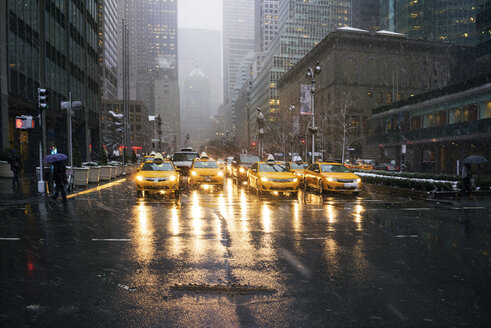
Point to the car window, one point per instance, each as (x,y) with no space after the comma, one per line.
(272,168)
(205,165)
(249,159)
(295,166)
(181,157)
(254,167)
(334,168)
(157,167)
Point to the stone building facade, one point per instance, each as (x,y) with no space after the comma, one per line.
(362,70)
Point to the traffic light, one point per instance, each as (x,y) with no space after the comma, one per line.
(24,122)
(43,98)
(253,144)
(303,141)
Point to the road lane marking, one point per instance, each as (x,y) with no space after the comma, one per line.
(469,208)
(110,239)
(295,263)
(10,239)
(417,209)
(406,236)
(315,238)
(104,186)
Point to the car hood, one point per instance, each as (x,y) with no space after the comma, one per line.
(202,171)
(277,175)
(340,175)
(156,174)
(183,163)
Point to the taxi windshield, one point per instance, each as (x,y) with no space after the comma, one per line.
(272,168)
(183,157)
(334,168)
(249,159)
(166,166)
(205,165)
(295,166)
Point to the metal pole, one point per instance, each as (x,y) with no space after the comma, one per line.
(313,117)
(70,140)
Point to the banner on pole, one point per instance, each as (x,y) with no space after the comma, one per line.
(305,99)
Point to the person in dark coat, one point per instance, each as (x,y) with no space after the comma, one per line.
(16,167)
(467,179)
(59,177)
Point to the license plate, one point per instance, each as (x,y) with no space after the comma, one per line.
(207,179)
(351,185)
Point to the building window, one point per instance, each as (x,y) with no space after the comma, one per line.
(485,111)
(470,112)
(379,97)
(415,122)
(389,97)
(399,96)
(455,115)
(441,118)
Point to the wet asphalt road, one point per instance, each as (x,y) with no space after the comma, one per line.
(229,259)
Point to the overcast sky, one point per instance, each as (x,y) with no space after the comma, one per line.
(205,14)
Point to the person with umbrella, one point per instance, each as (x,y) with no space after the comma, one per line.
(467,179)
(58,174)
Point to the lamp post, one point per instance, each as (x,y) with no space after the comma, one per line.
(291,109)
(312,128)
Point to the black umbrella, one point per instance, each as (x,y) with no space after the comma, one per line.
(51,158)
(475,159)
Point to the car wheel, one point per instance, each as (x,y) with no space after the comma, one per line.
(321,187)
(139,193)
(294,195)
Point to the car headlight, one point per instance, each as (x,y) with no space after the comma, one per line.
(193,173)
(242,170)
(263,179)
(330,179)
(358,180)
(220,173)
(139,178)
(295,180)
(298,174)
(172,178)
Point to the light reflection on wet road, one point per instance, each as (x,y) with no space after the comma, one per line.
(111,259)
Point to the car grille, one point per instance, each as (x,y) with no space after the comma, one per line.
(157,187)
(345,180)
(280,188)
(281,180)
(207,176)
(156,179)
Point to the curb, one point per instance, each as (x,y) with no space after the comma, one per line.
(427,195)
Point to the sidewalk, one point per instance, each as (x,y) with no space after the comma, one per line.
(27,191)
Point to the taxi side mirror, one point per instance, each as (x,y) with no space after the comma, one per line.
(317,171)
(234,162)
(254,170)
(178,169)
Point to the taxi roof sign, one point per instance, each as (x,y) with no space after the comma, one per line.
(204,155)
(270,159)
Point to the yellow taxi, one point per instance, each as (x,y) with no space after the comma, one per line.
(333,177)
(272,177)
(146,159)
(158,175)
(205,171)
(297,168)
(362,165)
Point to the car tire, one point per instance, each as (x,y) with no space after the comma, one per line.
(294,195)
(321,187)
(139,193)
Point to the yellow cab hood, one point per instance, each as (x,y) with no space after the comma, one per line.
(277,175)
(156,174)
(206,171)
(340,175)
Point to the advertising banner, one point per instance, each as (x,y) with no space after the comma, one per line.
(305,99)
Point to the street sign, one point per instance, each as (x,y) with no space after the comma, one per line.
(24,122)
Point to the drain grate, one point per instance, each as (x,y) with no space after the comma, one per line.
(218,288)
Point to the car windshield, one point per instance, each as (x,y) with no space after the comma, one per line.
(272,168)
(183,157)
(166,166)
(295,166)
(205,165)
(249,159)
(334,168)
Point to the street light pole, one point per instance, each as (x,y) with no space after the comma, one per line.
(313,129)
(291,109)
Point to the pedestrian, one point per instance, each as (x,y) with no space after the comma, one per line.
(16,167)
(59,177)
(467,179)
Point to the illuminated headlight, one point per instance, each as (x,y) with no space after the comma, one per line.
(263,179)
(242,170)
(295,180)
(193,173)
(220,173)
(172,178)
(358,180)
(139,178)
(330,179)
(298,174)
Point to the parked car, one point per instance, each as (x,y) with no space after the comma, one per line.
(386,167)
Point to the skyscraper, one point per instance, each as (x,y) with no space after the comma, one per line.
(302,25)
(153,49)
(107,48)
(51,45)
(238,38)
(453,20)
(267,23)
